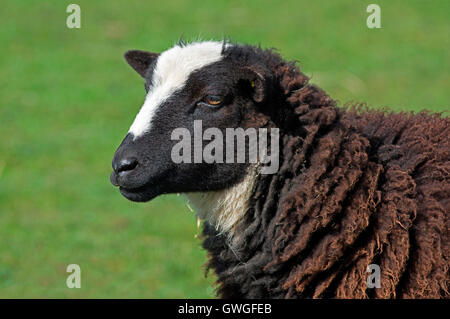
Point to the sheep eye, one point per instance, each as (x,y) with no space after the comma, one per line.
(213,100)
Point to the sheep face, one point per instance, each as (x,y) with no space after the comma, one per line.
(201,83)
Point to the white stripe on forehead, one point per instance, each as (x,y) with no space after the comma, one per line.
(172,69)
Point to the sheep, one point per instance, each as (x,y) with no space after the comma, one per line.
(355,187)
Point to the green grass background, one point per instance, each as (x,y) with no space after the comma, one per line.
(67,98)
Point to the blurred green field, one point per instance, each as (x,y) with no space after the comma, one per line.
(67,98)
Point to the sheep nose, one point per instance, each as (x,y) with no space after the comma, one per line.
(124,165)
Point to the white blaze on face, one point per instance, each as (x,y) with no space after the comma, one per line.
(171,72)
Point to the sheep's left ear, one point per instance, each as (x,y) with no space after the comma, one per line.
(256,81)
(140,60)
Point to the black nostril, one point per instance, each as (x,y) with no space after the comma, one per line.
(126,164)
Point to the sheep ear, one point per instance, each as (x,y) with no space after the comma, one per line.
(257,83)
(140,60)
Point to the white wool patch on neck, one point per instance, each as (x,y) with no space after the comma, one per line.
(171,72)
(225,208)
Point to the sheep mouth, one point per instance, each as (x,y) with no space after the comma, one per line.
(144,193)
(141,194)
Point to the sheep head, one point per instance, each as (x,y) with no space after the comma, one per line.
(196,93)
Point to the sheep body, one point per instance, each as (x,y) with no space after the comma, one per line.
(355,187)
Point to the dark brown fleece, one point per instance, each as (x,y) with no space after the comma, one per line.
(355,187)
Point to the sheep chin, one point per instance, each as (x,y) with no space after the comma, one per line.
(224,209)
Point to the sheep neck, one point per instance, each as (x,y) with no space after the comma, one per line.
(225,209)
